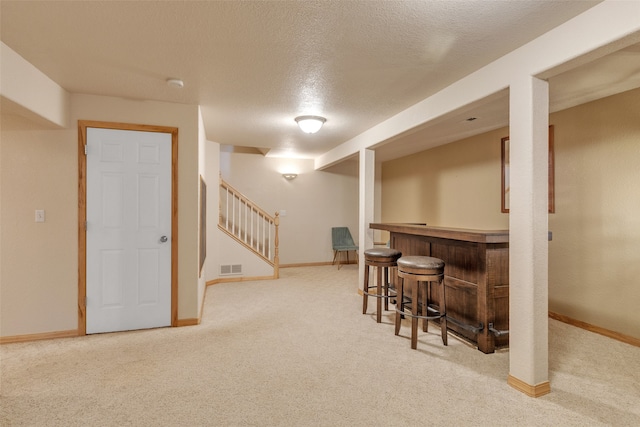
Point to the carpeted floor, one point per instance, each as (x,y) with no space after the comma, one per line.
(298,352)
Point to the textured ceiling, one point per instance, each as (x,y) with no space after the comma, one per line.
(255,65)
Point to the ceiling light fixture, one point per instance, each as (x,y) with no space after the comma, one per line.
(310,124)
(175,83)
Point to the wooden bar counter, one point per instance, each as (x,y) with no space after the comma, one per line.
(476,276)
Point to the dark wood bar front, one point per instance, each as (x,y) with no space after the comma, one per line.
(476,276)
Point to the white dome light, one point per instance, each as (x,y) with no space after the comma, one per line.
(310,124)
(175,83)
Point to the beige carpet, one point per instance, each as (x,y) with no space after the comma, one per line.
(298,352)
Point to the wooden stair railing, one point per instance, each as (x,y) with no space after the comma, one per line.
(249,225)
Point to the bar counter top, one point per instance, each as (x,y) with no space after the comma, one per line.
(463,234)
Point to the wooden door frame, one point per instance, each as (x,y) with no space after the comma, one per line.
(82,212)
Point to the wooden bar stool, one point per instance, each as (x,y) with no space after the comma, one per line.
(420,271)
(382,259)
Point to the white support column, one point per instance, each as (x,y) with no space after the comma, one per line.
(366,210)
(528,236)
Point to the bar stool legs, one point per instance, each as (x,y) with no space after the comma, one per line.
(383,259)
(365,300)
(379,289)
(420,271)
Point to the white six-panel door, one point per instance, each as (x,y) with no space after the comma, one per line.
(128,258)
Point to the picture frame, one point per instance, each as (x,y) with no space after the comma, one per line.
(202,238)
(505,187)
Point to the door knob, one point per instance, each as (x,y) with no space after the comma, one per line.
(163,239)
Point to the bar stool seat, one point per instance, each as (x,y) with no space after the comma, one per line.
(420,271)
(383,259)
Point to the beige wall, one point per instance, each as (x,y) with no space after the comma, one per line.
(39,168)
(454,185)
(212,167)
(593,260)
(39,279)
(593,271)
(314,202)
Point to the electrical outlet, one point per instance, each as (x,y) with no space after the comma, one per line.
(39,215)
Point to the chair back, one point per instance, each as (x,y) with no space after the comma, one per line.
(341,238)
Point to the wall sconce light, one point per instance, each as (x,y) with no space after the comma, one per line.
(310,124)
(289,176)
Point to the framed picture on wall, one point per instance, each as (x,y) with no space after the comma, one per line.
(506,167)
(202,252)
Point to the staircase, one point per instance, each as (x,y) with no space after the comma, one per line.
(249,225)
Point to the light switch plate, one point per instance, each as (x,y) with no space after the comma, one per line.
(39,215)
